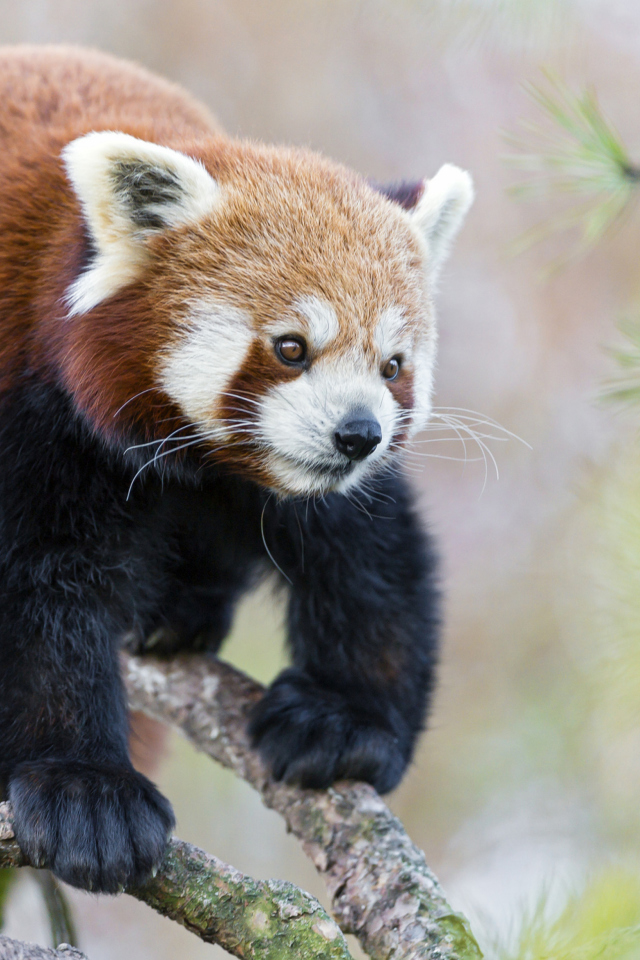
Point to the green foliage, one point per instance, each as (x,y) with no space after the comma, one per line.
(617,561)
(7,878)
(573,151)
(601,923)
(614,587)
(55,902)
(58,909)
(625,388)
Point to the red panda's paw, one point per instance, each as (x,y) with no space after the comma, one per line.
(310,737)
(164,642)
(98,827)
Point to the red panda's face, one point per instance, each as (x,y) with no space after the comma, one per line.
(297,333)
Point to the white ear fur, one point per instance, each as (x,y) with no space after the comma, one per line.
(440,212)
(129,189)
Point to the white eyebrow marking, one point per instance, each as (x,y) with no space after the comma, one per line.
(391,333)
(321,318)
(212,346)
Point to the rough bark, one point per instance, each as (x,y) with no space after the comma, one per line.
(249,918)
(16,950)
(380,885)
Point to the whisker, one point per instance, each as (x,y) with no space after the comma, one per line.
(160,441)
(483,436)
(264,540)
(442,456)
(237,396)
(295,510)
(482,419)
(364,485)
(131,399)
(485,450)
(462,428)
(155,459)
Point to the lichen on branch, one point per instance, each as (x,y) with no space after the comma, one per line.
(253,919)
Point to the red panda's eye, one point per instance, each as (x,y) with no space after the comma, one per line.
(391,368)
(291,350)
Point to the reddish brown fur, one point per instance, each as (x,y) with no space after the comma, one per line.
(291,222)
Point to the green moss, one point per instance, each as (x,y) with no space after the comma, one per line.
(248,918)
(457,930)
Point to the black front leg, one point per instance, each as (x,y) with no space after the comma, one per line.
(216,552)
(363,622)
(76,569)
(79,806)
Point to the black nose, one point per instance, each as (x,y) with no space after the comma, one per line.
(358,438)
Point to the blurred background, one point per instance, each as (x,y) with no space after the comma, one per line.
(527,783)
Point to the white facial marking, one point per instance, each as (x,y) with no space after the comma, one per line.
(423,366)
(129,189)
(321,318)
(108,274)
(196,370)
(298,420)
(392,335)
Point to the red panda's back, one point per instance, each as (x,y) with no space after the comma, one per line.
(68,88)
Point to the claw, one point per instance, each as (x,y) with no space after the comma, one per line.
(157,637)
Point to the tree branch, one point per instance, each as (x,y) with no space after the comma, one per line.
(249,918)
(16,950)
(380,885)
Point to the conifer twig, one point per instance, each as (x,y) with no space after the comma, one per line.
(575,151)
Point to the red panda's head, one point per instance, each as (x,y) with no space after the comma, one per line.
(283,306)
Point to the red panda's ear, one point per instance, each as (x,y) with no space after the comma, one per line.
(440,212)
(406,193)
(437,207)
(129,189)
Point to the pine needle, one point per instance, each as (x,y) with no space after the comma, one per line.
(574,151)
(601,923)
(625,387)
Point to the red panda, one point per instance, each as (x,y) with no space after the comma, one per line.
(198,337)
